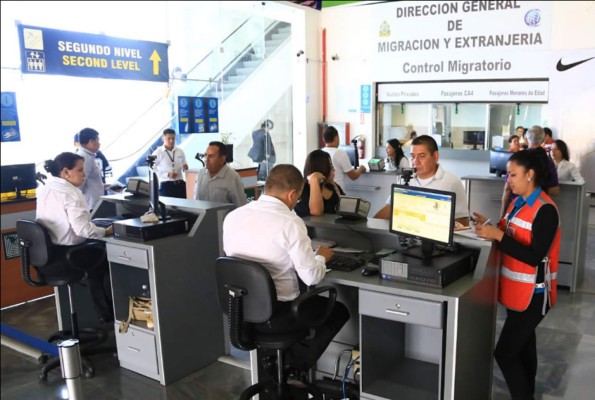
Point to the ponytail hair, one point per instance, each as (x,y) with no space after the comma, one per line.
(63,160)
(535,159)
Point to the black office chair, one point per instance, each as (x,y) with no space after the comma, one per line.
(247,295)
(37,250)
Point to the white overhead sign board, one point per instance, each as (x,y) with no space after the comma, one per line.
(525,91)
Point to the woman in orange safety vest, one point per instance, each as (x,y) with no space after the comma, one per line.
(529,236)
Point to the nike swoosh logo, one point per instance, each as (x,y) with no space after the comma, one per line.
(563,67)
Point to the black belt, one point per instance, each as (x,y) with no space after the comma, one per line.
(178,182)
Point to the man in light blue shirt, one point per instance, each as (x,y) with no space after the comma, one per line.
(217,181)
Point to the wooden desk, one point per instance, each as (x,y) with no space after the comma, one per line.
(14,290)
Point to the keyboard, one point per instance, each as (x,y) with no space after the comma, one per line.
(342,263)
(103,222)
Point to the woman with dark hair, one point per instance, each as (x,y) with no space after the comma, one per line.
(62,209)
(567,171)
(395,157)
(529,240)
(515,145)
(320,194)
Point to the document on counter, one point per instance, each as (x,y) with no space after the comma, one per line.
(349,250)
(468,233)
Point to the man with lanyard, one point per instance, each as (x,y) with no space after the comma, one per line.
(169,164)
(217,181)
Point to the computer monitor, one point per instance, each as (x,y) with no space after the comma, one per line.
(474,138)
(498,161)
(156,206)
(17,178)
(425,214)
(350,150)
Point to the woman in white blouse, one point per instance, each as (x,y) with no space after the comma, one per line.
(567,171)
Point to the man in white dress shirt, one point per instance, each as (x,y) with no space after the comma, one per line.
(340,158)
(169,164)
(269,232)
(92,187)
(429,174)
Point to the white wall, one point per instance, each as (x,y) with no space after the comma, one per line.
(568,34)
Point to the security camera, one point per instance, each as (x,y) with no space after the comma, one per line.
(299,53)
(334,57)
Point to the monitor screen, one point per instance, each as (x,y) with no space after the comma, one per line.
(498,161)
(350,150)
(17,178)
(425,214)
(474,138)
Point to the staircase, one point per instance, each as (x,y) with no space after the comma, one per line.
(234,74)
(248,62)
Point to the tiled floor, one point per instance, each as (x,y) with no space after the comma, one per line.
(566,341)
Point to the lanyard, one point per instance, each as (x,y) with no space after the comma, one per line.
(171,157)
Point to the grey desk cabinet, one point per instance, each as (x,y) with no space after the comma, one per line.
(484,194)
(416,342)
(179,271)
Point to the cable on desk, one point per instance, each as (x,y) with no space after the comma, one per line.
(338,360)
(365,236)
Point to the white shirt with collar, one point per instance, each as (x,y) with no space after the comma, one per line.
(567,171)
(169,161)
(446,181)
(92,187)
(62,209)
(225,187)
(268,232)
(341,163)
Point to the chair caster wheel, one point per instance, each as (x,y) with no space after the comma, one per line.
(43,376)
(42,359)
(89,373)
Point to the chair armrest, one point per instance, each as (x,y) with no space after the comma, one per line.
(86,256)
(299,304)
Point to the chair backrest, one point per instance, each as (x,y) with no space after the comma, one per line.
(38,241)
(260,293)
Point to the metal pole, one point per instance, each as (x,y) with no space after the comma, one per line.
(70,361)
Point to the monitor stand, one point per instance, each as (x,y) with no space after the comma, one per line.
(424,252)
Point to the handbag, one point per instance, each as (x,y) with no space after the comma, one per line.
(139,309)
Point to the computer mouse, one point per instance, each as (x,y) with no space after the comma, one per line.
(370,270)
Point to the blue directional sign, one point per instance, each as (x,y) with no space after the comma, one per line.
(184,111)
(10,118)
(55,52)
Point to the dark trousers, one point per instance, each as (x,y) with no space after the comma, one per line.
(97,279)
(173,189)
(516,351)
(304,355)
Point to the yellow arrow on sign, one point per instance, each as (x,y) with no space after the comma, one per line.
(156,59)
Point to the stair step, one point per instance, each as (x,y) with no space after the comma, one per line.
(244,71)
(275,43)
(252,64)
(236,78)
(280,36)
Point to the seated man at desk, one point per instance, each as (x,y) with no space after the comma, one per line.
(283,247)
(429,174)
(62,209)
(217,181)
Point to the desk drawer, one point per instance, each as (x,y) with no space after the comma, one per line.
(402,309)
(137,348)
(127,255)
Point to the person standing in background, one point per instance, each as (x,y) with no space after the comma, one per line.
(93,187)
(341,162)
(170,161)
(396,159)
(528,237)
(101,160)
(263,151)
(515,145)
(567,171)
(548,141)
